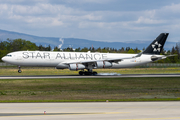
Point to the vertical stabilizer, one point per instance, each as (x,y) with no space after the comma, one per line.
(157,45)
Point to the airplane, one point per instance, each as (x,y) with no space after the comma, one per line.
(87,60)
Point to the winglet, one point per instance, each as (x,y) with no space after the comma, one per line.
(157,45)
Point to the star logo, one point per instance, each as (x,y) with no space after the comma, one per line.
(156,47)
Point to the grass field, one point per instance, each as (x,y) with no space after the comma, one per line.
(51,71)
(99,89)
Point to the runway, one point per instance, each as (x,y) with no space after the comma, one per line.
(91,111)
(104,75)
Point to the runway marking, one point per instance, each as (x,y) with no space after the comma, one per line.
(153,118)
(53,114)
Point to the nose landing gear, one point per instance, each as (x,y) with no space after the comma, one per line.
(19,71)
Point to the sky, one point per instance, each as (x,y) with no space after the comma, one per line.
(99,20)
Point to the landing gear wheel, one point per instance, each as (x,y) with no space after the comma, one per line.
(94,73)
(81,72)
(87,73)
(19,71)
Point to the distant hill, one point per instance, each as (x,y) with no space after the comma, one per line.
(75,42)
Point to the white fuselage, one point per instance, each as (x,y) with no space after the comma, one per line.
(60,59)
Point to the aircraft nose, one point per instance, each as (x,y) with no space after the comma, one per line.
(4,59)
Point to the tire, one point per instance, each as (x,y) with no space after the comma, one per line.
(81,72)
(19,71)
(87,73)
(94,73)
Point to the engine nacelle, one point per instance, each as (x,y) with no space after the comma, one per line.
(61,66)
(103,64)
(76,66)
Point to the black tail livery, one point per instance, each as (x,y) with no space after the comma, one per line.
(157,45)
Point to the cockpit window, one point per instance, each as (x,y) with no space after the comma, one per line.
(9,55)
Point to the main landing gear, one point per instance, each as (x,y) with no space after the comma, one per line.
(87,73)
(19,71)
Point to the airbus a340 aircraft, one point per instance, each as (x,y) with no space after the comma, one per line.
(87,60)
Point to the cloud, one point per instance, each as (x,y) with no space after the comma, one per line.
(103,20)
(143,20)
(89,1)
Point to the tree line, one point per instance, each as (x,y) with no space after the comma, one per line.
(23,45)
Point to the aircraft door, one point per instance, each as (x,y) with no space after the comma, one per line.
(50,56)
(19,56)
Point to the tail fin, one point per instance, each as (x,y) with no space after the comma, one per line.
(157,45)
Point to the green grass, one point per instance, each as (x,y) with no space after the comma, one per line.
(89,89)
(52,71)
(98,89)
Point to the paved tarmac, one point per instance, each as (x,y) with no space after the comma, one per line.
(103,75)
(91,111)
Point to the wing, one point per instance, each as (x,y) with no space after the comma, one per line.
(94,61)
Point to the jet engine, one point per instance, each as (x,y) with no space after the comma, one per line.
(61,66)
(76,66)
(103,64)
